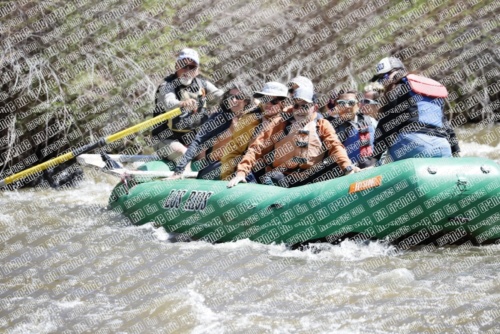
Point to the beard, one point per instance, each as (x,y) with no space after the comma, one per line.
(186,81)
(301,118)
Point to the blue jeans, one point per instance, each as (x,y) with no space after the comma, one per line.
(419,145)
(211,172)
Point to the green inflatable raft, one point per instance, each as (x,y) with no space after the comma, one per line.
(406,203)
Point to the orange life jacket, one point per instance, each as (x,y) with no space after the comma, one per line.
(300,148)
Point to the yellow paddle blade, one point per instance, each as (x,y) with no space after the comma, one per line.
(101,142)
(38,168)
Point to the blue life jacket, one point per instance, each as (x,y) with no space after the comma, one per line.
(415,105)
(430,109)
(348,133)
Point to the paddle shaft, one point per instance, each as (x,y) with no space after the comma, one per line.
(89,147)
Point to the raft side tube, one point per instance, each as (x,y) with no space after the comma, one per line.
(406,203)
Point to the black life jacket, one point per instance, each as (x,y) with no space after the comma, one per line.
(188,121)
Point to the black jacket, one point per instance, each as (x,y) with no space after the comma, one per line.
(399,116)
(207,133)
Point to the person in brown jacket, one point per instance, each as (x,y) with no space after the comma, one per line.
(297,150)
(271,104)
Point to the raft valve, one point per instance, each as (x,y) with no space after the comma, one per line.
(485,169)
(462,184)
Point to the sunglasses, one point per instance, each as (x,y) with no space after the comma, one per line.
(302,106)
(350,103)
(368,101)
(190,67)
(267,99)
(383,77)
(291,90)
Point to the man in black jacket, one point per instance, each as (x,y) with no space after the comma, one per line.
(187,90)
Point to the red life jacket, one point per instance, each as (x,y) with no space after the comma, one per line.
(426,86)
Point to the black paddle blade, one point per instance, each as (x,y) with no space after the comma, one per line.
(110,163)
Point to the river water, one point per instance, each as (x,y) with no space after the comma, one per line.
(69,266)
